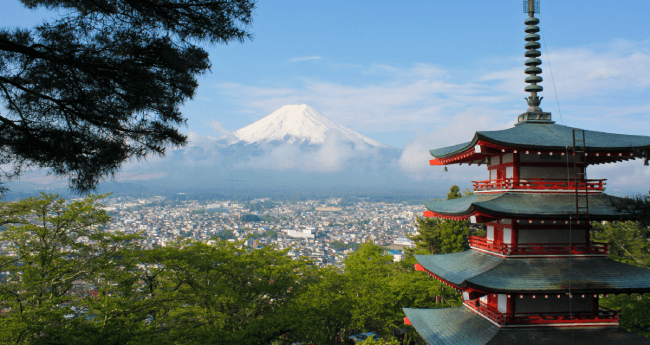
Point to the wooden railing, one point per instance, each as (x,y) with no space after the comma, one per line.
(539,248)
(540,184)
(603,315)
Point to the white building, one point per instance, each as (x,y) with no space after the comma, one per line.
(300,233)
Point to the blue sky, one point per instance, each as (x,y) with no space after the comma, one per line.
(391,71)
(424,74)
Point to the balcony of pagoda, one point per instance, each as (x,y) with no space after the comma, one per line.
(539,185)
(602,317)
(591,248)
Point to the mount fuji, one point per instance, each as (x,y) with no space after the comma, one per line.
(299,124)
(294,147)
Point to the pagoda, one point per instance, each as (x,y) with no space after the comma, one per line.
(536,277)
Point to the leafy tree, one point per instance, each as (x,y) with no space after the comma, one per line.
(271,234)
(630,243)
(438,236)
(345,202)
(638,206)
(221,294)
(259,206)
(367,296)
(226,234)
(53,247)
(104,82)
(343,246)
(185,293)
(324,307)
(249,218)
(454,193)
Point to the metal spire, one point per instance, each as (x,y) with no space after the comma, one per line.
(534,112)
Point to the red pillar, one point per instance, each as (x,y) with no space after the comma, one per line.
(515,169)
(510,307)
(515,235)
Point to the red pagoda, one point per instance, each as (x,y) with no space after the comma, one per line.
(536,277)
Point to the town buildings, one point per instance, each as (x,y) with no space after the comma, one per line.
(315,229)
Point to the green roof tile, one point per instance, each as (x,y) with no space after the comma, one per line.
(537,275)
(531,205)
(547,136)
(451,326)
(456,326)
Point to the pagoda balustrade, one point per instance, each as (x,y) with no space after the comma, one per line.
(603,315)
(538,248)
(534,184)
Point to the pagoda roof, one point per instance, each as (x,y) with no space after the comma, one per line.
(524,205)
(459,325)
(537,275)
(547,136)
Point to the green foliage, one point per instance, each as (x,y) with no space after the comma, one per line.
(71,283)
(259,206)
(250,218)
(344,202)
(629,243)
(367,296)
(638,206)
(53,245)
(454,193)
(226,234)
(104,82)
(343,246)
(198,211)
(372,341)
(437,236)
(222,294)
(271,234)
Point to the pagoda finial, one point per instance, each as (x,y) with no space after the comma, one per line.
(534,112)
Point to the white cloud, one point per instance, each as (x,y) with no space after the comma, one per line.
(423,95)
(460,128)
(305,58)
(335,154)
(396,106)
(228,136)
(625,178)
(585,71)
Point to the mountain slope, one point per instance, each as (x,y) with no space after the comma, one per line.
(299,124)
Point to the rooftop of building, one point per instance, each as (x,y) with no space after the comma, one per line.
(455,326)
(547,136)
(527,205)
(576,275)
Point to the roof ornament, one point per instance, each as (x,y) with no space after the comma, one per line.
(534,113)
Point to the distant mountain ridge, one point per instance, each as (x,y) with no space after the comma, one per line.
(299,124)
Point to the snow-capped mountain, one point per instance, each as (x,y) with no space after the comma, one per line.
(299,124)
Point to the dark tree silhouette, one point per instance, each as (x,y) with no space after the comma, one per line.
(103,83)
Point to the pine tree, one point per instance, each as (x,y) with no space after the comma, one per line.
(104,83)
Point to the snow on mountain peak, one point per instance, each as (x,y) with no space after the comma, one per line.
(298,123)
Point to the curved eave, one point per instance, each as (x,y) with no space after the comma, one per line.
(543,138)
(459,325)
(479,271)
(523,205)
